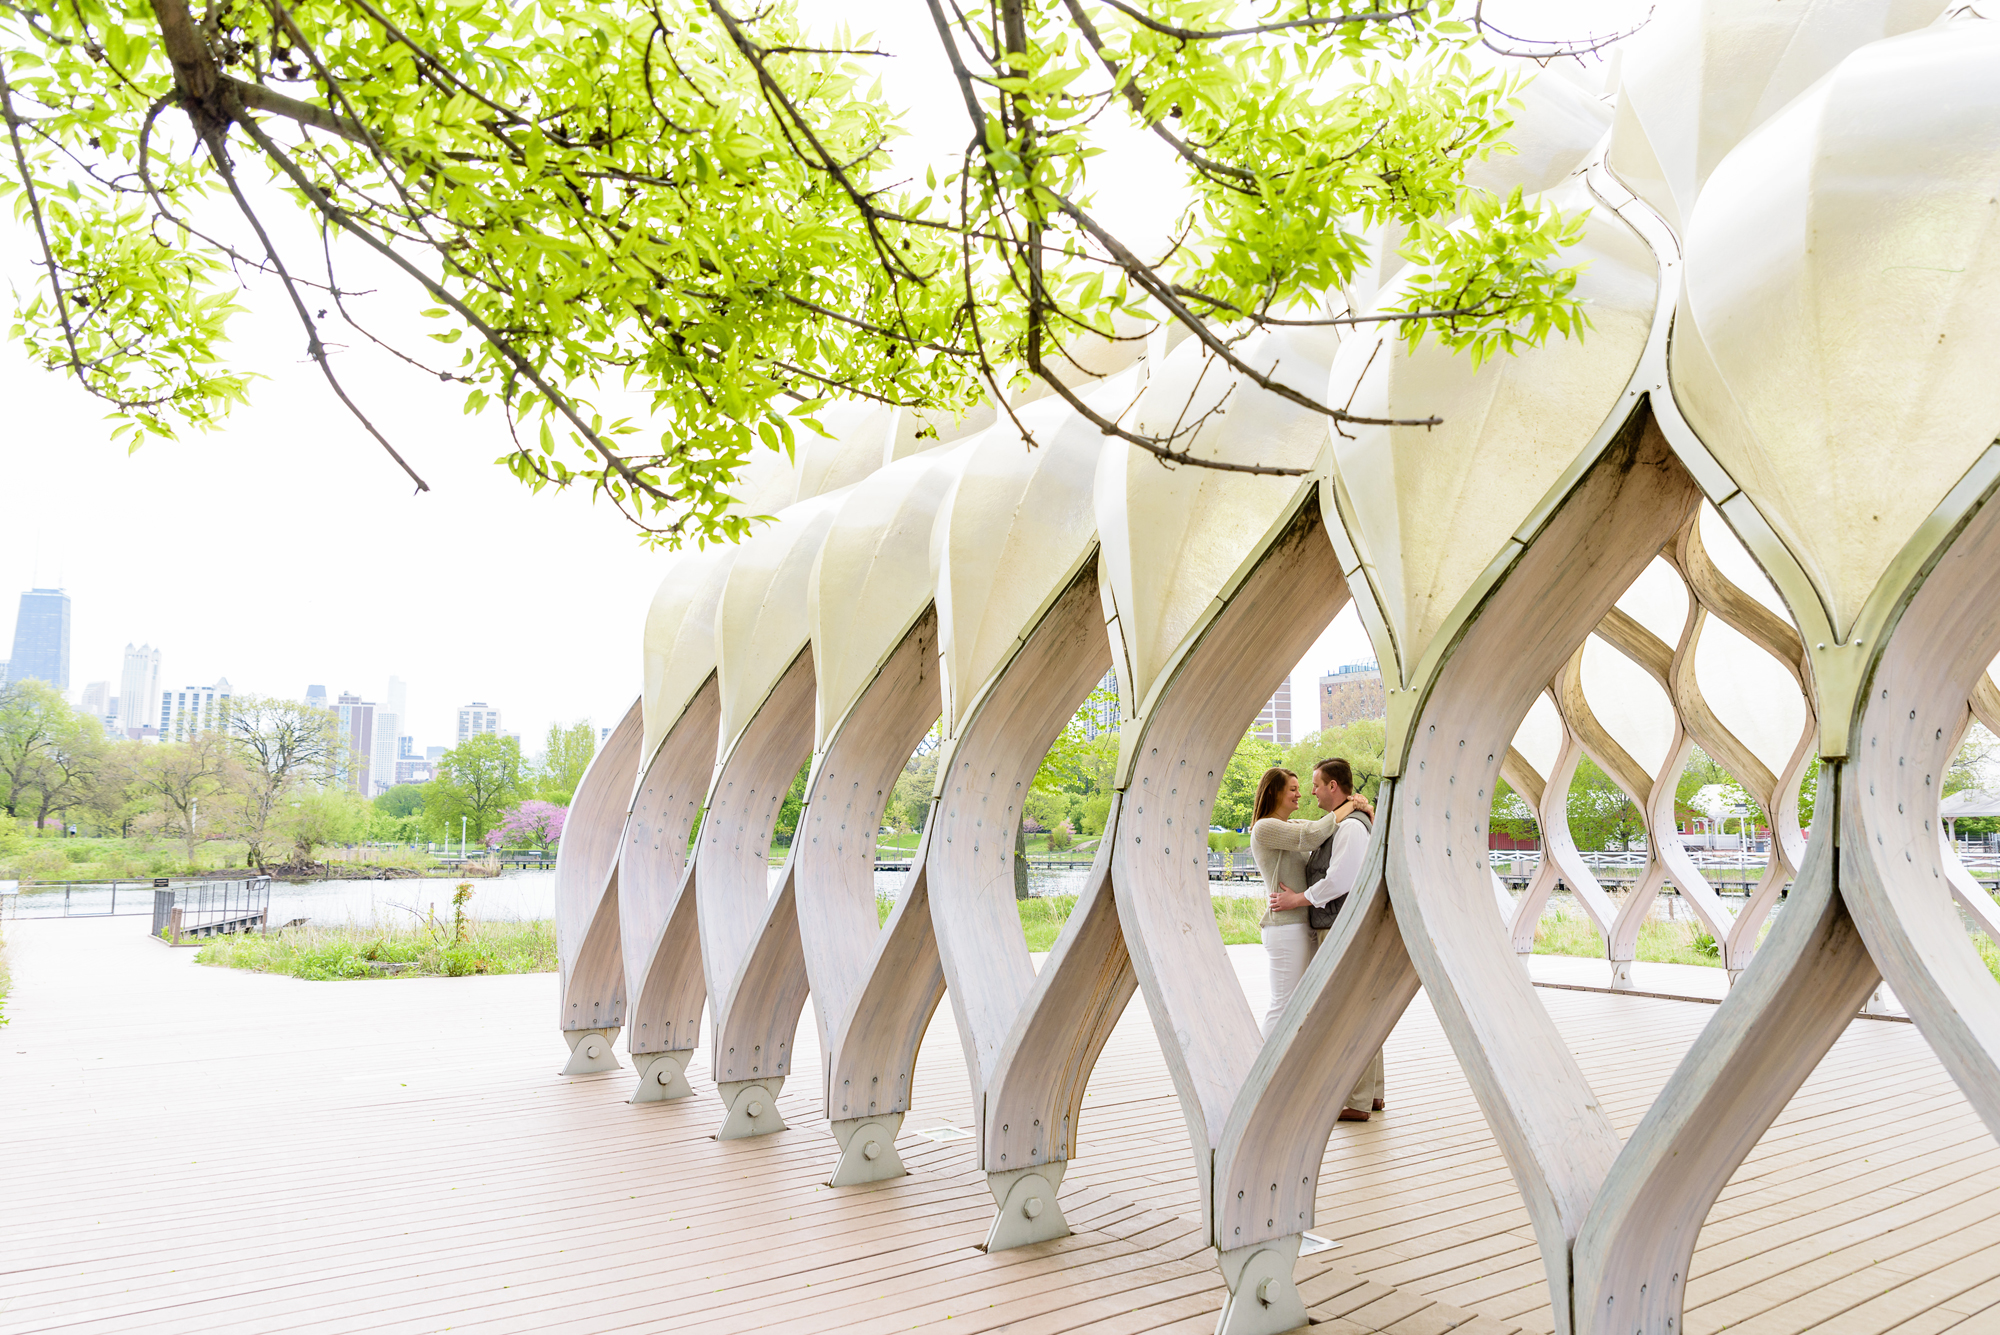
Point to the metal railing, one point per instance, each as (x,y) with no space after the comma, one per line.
(78,899)
(212,908)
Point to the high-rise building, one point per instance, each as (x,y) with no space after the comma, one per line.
(1351,693)
(357,727)
(193,709)
(476,718)
(1274,721)
(41,639)
(315,697)
(389,722)
(97,699)
(138,687)
(414,768)
(1103,712)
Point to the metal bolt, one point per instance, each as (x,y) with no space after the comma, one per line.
(1033,1209)
(756,1108)
(872,1150)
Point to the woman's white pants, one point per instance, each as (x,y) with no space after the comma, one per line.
(1290,946)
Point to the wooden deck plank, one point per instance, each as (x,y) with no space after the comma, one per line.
(402,1156)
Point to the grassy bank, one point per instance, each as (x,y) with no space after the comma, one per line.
(327,953)
(49,858)
(1564,933)
(6,980)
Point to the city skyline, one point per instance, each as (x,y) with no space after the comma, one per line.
(387,756)
(132,700)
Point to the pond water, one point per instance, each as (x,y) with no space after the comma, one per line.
(511,896)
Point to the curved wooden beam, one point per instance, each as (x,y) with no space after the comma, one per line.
(750,937)
(1160,867)
(656,901)
(871,1058)
(1034,1098)
(840,930)
(587,937)
(1543,1113)
(1561,862)
(969,867)
(1986,703)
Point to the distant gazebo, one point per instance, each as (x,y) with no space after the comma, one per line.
(1968,802)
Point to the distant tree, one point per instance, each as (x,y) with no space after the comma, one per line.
(113,798)
(283,746)
(34,718)
(1096,811)
(533,824)
(790,809)
(71,768)
(910,801)
(181,778)
(1511,815)
(405,799)
(1235,799)
(1600,812)
(476,780)
(563,762)
(1969,763)
(316,817)
(1360,743)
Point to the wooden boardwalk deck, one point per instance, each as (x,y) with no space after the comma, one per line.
(195,1150)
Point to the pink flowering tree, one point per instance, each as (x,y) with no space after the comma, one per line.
(532,824)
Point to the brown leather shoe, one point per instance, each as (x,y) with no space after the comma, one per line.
(1353,1115)
(1379,1105)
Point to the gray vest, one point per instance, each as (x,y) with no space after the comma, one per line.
(1316,868)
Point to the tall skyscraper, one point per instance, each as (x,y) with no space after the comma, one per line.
(389,717)
(1350,693)
(138,688)
(316,697)
(193,709)
(1104,712)
(1274,721)
(476,718)
(97,699)
(41,639)
(357,726)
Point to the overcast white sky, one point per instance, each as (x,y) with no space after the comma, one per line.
(288,550)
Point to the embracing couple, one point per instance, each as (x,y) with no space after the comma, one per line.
(1312,867)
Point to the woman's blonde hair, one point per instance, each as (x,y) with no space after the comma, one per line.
(1270,788)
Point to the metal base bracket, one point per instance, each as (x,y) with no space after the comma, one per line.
(662,1076)
(753,1108)
(1028,1209)
(1621,975)
(867,1150)
(1262,1299)
(590,1051)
